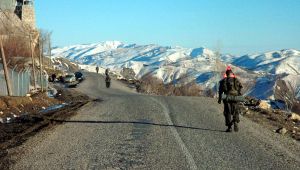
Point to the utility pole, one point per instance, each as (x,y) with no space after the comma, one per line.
(49,48)
(7,79)
(41,65)
(217,70)
(43,59)
(33,62)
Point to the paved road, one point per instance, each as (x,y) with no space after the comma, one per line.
(132,131)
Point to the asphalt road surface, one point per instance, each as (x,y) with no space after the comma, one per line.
(133,131)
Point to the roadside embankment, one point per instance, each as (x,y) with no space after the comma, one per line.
(23,117)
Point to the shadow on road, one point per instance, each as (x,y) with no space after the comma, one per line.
(134,122)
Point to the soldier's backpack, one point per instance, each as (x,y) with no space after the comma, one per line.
(230,86)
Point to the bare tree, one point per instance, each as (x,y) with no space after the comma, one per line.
(287,92)
(217,69)
(128,73)
(45,42)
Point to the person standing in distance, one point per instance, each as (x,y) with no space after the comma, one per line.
(97,69)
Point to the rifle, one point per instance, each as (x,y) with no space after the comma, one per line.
(245,100)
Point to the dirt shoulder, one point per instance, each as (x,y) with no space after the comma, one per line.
(275,120)
(29,115)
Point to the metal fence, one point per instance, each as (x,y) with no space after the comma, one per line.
(42,79)
(22,81)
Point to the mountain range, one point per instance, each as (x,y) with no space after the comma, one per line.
(259,72)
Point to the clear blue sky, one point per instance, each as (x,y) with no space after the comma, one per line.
(234,26)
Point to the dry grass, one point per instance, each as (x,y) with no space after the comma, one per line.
(17,52)
(16,46)
(153,85)
(287,92)
(296,107)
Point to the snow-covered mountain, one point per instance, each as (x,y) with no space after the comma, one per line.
(167,63)
(275,62)
(258,72)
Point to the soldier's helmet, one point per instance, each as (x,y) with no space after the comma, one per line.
(228,68)
(229,72)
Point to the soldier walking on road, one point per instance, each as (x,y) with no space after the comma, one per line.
(97,69)
(107,78)
(230,86)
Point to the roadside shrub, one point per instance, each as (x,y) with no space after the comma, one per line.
(128,73)
(209,93)
(16,46)
(287,92)
(191,89)
(296,107)
(152,85)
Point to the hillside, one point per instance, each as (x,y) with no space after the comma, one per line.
(167,63)
(275,62)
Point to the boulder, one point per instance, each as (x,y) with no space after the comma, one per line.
(294,117)
(281,131)
(264,105)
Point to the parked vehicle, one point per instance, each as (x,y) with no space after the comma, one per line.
(53,78)
(70,80)
(79,76)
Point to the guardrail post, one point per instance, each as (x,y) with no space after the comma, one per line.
(19,93)
(28,79)
(22,81)
(14,91)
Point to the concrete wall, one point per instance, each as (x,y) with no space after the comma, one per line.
(28,15)
(7,5)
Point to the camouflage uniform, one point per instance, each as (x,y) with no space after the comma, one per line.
(230,86)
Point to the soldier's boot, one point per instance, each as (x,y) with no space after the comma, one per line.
(235,127)
(229,129)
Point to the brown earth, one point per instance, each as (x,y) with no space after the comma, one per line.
(275,120)
(18,105)
(14,134)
